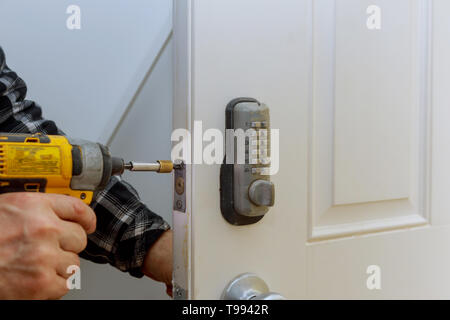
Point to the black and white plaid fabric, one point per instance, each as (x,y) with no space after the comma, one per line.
(126,228)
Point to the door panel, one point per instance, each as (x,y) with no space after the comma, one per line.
(414,264)
(372,81)
(363,130)
(369,137)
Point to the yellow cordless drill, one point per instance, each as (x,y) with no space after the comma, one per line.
(57,164)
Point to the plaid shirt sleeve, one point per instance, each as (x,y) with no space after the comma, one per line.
(126,228)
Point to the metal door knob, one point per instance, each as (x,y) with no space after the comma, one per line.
(249,286)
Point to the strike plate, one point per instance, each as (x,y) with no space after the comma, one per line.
(179,199)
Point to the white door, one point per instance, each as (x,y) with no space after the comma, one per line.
(360,93)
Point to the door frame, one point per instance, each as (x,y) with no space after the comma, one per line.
(181,118)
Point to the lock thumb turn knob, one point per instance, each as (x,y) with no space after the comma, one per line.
(262,193)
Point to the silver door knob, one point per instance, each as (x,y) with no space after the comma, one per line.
(249,286)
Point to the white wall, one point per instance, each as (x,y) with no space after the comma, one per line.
(86,79)
(83,78)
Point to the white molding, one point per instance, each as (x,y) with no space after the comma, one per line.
(334,231)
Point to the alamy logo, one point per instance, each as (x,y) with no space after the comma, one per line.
(74,281)
(73,22)
(374,280)
(374,19)
(259,147)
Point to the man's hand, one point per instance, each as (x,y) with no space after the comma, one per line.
(158,263)
(40,236)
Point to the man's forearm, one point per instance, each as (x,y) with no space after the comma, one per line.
(158,263)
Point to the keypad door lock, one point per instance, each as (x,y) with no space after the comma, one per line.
(246,192)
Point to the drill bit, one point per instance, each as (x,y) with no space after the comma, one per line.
(161,166)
